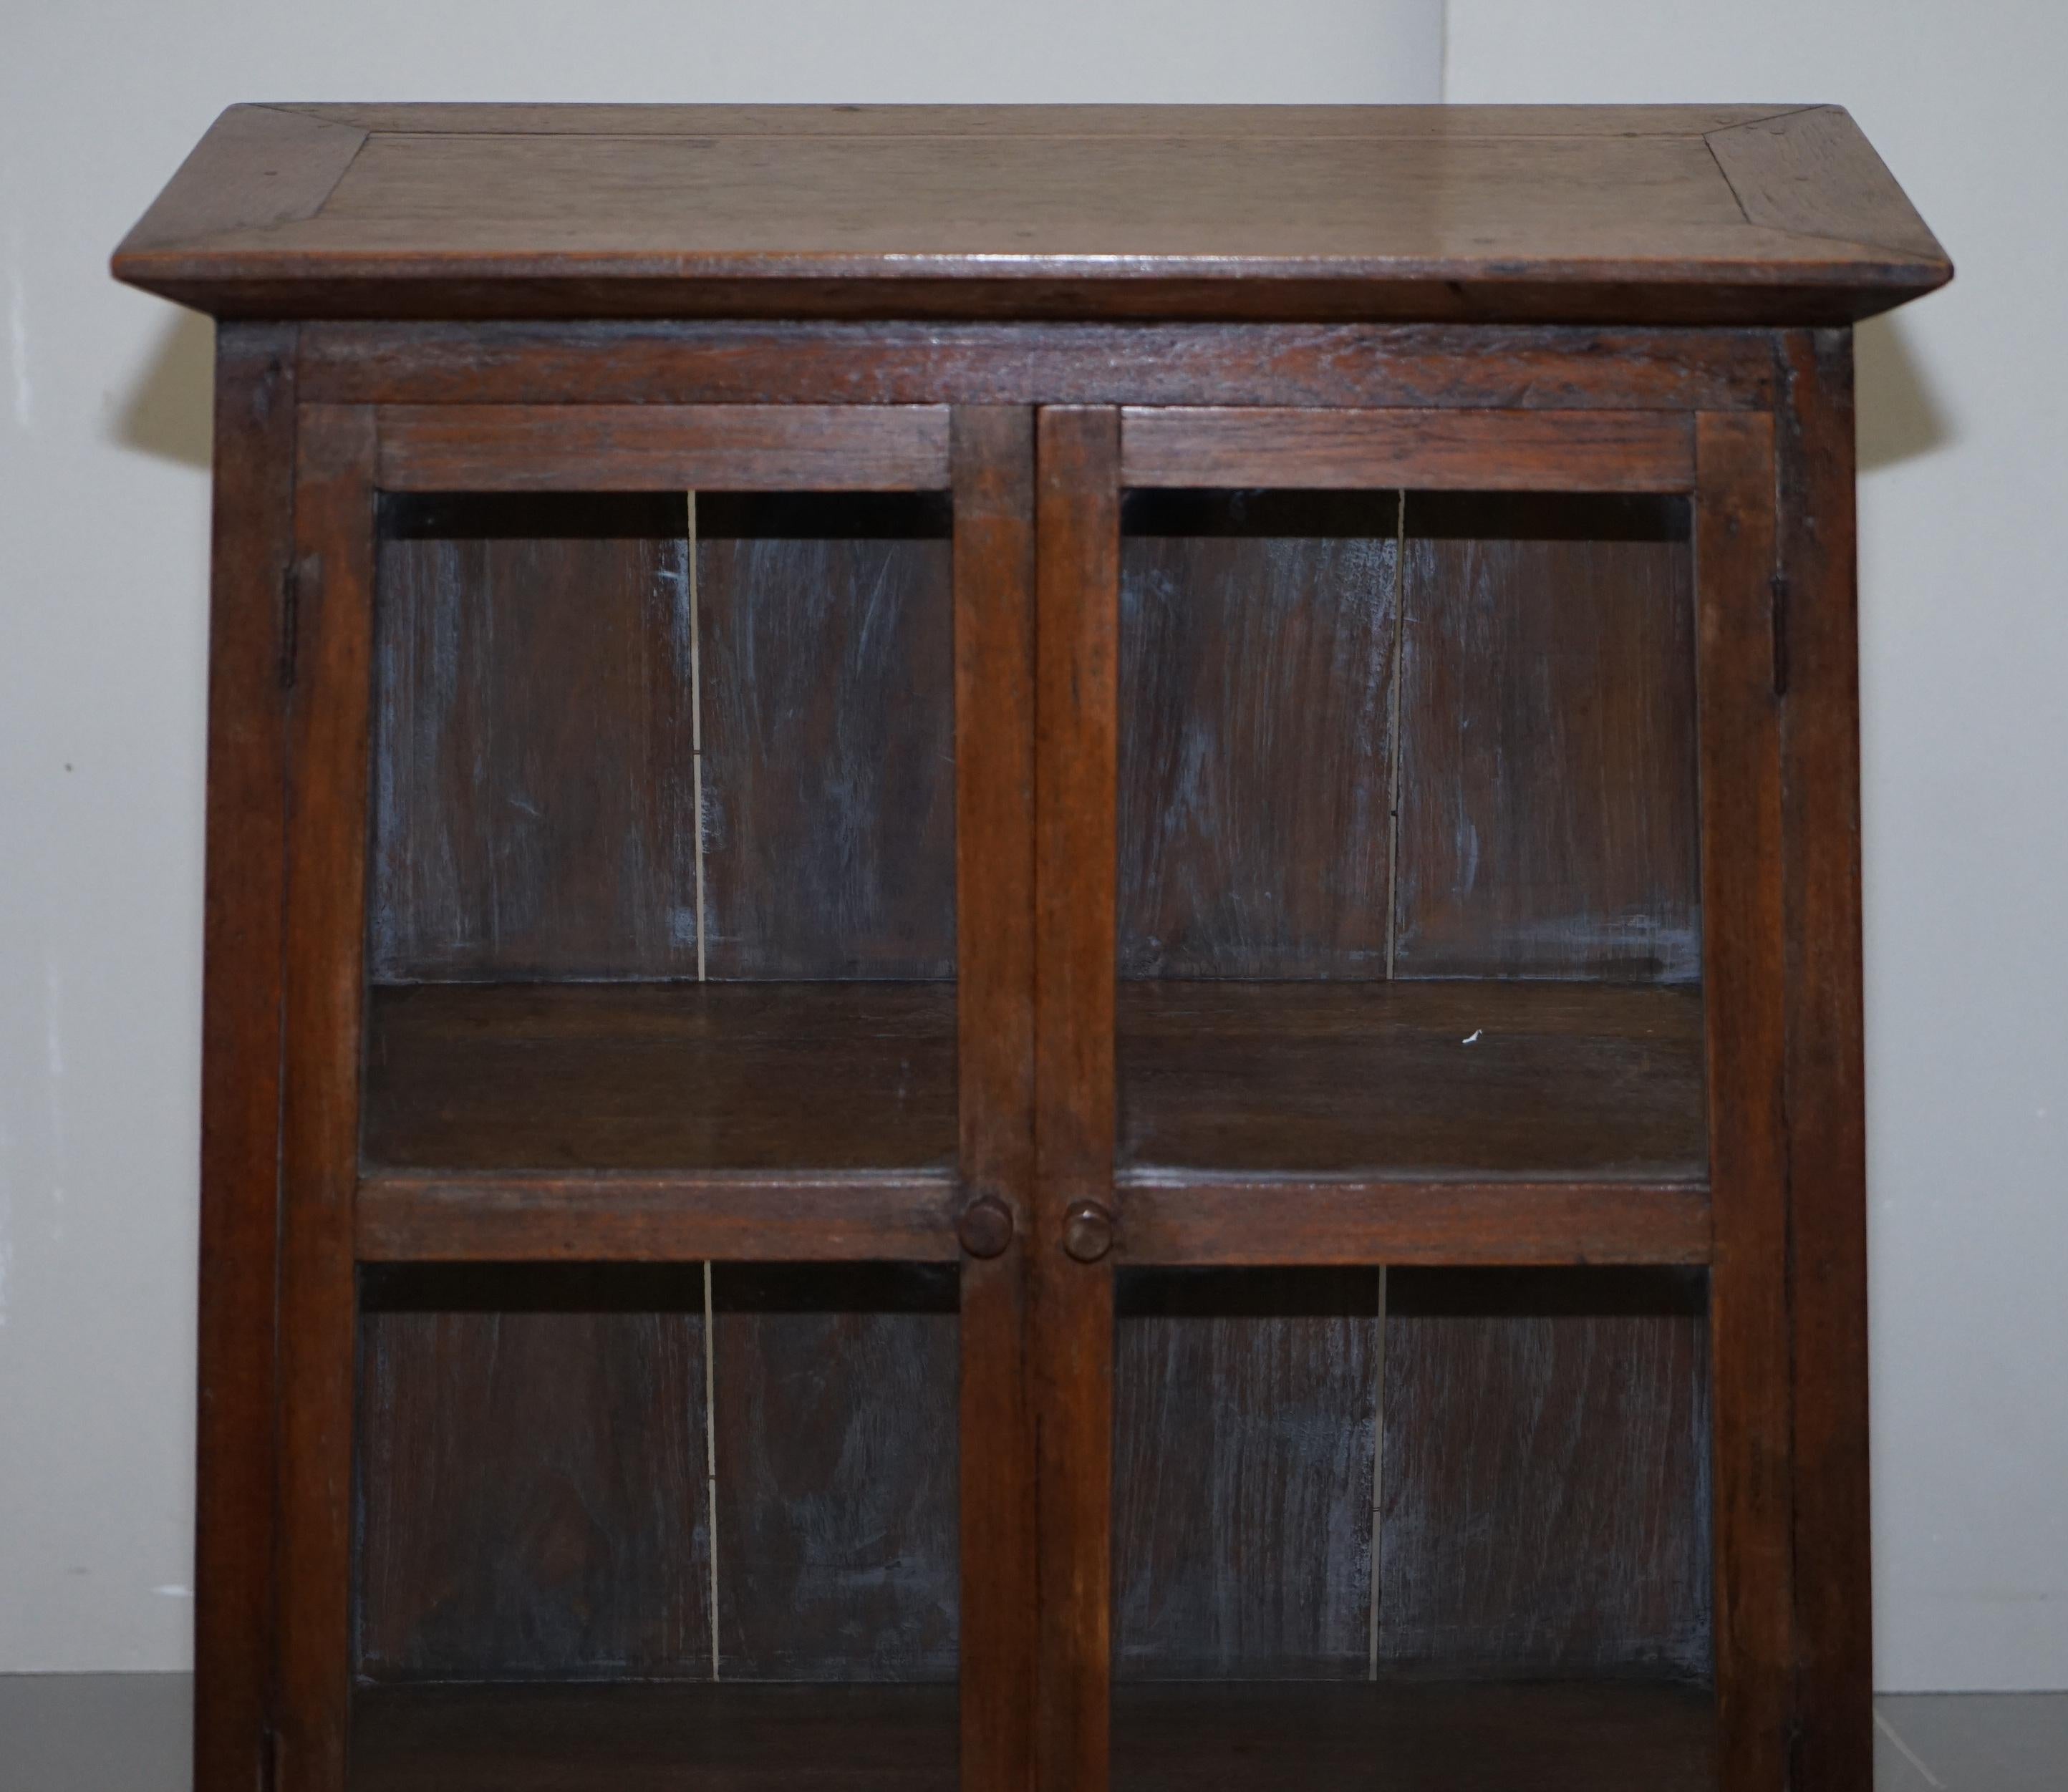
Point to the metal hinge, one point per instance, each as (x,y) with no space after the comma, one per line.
(1778,588)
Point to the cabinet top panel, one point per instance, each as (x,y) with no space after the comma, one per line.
(1599,214)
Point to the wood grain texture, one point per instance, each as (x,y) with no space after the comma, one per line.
(656,1738)
(1546,1485)
(602,1217)
(1423,213)
(1255,666)
(258,167)
(1444,451)
(586,1076)
(329,732)
(1562,1079)
(1206,1217)
(1416,366)
(531,1476)
(1744,973)
(1243,1408)
(534,812)
(241,1047)
(663,448)
(995,774)
(1810,171)
(835,1412)
(1547,789)
(1171,1738)
(1827,1122)
(828,736)
(1076,748)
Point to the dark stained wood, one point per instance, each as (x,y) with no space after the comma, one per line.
(1444,212)
(1244,1403)
(530,1471)
(1605,1737)
(1811,171)
(1417,366)
(1459,1078)
(1547,786)
(837,1453)
(1606,451)
(601,1216)
(1184,1217)
(240,1095)
(1076,764)
(1545,1484)
(1744,973)
(1826,1123)
(634,1076)
(826,630)
(1590,1736)
(258,166)
(1257,644)
(995,772)
(328,733)
(655,1739)
(663,448)
(535,812)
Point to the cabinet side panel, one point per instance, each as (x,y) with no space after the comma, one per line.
(828,730)
(1244,1403)
(1545,1472)
(253,544)
(836,1472)
(535,809)
(1548,824)
(531,1476)
(1827,1119)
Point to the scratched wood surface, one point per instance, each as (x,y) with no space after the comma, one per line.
(531,1457)
(1256,632)
(1244,1403)
(1547,740)
(837,1470)
(1546,1487)
(828,722)
(534,809)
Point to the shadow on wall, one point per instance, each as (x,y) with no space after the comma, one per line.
(170,412)
(1900,417)
(167,412)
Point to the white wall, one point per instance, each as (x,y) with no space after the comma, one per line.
(104,495)
(1964,653)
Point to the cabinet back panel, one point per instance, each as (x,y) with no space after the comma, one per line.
(537,665)
(532,1500)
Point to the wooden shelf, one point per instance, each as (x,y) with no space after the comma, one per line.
(1589,1736)
(1260,1122)
(1478,1077)
(649,1076)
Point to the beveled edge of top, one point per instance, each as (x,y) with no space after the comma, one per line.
(1807,172)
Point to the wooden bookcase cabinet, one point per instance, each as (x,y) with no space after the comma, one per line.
(968,1044)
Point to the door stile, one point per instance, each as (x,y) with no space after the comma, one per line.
(330,665)
(992,455)
(1076,880)
(1739,729)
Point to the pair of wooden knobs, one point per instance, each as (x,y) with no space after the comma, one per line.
(986,1229)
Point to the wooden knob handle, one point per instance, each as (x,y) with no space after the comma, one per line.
(1087,1231)
(985,1227)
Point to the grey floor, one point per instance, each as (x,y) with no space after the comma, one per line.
(128,1732)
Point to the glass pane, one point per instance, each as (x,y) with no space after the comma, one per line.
(663,855)
(1408,860)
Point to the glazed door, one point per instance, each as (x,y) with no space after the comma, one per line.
(659,1073)
(1408,1259)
